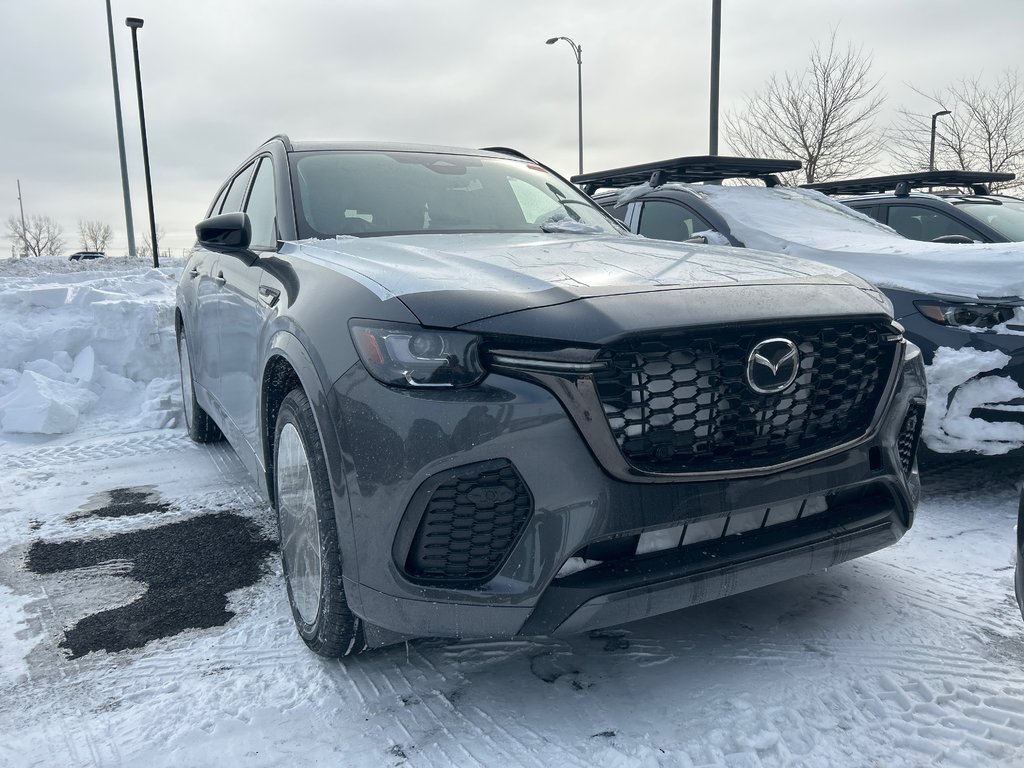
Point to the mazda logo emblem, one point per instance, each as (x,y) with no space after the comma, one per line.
(772,365)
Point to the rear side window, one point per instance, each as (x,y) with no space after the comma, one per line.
(235,193)
(670,221)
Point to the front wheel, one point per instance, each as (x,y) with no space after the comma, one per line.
(309,536)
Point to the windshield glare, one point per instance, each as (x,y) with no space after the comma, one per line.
(1006,216)
(387,193)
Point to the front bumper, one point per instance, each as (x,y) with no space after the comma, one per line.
(399,441)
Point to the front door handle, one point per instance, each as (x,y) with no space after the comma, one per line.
(268,295)
(220,278)
(193,273)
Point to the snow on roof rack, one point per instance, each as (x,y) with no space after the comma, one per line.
(689,170)
(902,183)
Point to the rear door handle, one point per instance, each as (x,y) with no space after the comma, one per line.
(268,295)
(220,278)
(193,273)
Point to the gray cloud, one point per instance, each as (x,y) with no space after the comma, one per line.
(220,77)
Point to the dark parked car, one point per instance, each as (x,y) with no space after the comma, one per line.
(965,299)
(1018,581)
(944,216)
(482,409)
(84,255)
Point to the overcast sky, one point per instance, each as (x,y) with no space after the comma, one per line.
(221,76)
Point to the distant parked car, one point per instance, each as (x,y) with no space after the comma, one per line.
(967,299)
(83,255)
(941,217)
(483,409)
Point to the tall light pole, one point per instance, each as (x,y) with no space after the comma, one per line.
(931,152)
(716,57)
(578,52)
(120,139)
(135,24)
(24,232)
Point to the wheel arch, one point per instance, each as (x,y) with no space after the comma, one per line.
(286,366)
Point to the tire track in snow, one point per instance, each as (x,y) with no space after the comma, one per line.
(99,450)
(947,722)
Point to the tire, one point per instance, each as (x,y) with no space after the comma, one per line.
(310,552)
(199,424)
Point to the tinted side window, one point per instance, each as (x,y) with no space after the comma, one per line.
(262,207)
(920,223)
(874,211)
(233,199)
(618,211)
(669,221)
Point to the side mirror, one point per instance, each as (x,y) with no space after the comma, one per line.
(226,233)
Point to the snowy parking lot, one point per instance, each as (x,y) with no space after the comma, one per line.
(143,616)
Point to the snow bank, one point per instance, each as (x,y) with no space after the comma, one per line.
(90,345)
(810,225)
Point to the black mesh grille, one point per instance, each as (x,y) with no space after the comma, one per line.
(471,520)
(910,432)
(681,403)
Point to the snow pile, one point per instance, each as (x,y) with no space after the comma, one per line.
(810,225)
(93,345)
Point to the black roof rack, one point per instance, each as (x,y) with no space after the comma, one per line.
(688,170)
(902,183)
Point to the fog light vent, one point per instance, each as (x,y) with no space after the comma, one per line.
(472,519)
(910,433)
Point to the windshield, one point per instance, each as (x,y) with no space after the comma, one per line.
(372,193)
(1004,216)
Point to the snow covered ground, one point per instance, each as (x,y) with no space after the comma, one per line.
(143,618)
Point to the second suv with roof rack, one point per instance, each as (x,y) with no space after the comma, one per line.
(964,211)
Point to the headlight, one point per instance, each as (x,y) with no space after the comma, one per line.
(410,356)
(965,315)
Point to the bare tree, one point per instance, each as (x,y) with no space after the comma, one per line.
(823,116)
(94,235)
(40,236)
(984,132)
(146,248)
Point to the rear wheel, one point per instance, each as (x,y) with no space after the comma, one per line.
(200,426)
(310,550)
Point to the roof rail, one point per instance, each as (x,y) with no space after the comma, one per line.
(902,183)
(508,151)
(283,138)
(689,170)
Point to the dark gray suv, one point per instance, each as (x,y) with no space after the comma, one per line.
(482,409)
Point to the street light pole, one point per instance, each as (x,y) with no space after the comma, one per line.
(24,232)
(716,58)
(120,139)
(135,24)
(931,152)
(578,52)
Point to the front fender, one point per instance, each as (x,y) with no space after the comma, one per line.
(284,345)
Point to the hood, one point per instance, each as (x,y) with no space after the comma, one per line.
(449,280)
(809,225)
